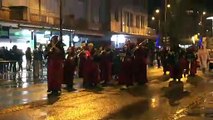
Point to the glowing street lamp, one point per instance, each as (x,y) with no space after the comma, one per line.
(157,11)
(168,5)
(153,18)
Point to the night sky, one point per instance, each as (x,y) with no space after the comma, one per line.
(154,4)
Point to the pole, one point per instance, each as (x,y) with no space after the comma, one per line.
(212,27)
(165,19)
(159,27)
(39,2)
(61,20)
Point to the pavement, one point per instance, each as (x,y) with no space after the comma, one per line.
(25,98)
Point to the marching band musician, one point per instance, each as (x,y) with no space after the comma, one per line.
(140,64)
(82,59)
(106,64)
(125,76)
(91,70)
(69,68)
(55,59)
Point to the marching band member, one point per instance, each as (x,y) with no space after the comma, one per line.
(55,60)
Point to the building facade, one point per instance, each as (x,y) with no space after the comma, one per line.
(85,19)
(43,12)
(126,20)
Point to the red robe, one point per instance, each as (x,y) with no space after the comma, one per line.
(140,66)
(55,70)
(91,73)
(125,76)
(82,58)
(184,64)
(193,67)
(106,67)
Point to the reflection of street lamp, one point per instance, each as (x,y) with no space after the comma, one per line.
(211,18)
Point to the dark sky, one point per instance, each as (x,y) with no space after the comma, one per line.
(154,4)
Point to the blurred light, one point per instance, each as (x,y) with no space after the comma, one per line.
(24,92)
(66,38)
(26,32)
(47,32)
(118,38)
(204,13)
(76,39)
(207,30)
(157,11)
(210,18)
(193,39)
(168,6)
(155,102)
(153,18)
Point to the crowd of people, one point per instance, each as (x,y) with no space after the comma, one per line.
(98,66)
(15,56)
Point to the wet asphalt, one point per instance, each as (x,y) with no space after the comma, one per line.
(25,98)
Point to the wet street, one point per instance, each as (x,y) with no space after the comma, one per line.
(23,98)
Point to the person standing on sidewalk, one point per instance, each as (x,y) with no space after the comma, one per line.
(91,72)
(40,59)
(28,55)
(35,63)
(203,56)
(55,63)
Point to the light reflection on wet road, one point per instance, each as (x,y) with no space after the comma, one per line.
(152,102)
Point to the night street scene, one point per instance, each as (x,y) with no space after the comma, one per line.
(106,60)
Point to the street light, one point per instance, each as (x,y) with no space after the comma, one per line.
(211,18)
(168,6)
(153,18)
(157,11)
